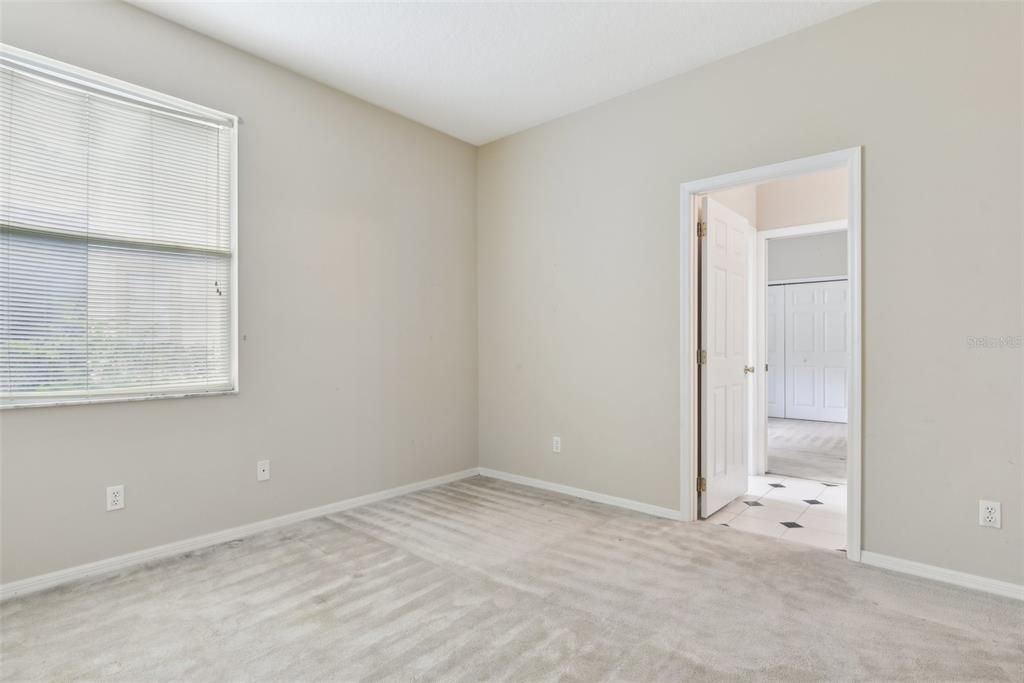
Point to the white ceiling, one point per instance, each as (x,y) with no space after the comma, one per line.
(481,71)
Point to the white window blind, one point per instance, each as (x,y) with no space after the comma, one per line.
(116,242)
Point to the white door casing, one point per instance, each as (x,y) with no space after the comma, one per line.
(690,194)
(726,252)
(775,348)
(817,353)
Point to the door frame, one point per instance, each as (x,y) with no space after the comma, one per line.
(759,437)
(849,159)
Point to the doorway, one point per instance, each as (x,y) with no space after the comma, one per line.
(802,338)
(771,366)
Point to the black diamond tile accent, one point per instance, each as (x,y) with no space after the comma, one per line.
(840,550)
(813,502)
(728,525)
(753,503)
(777,486)
(792,525)
(827,484)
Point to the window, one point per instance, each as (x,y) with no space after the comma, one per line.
(117,242)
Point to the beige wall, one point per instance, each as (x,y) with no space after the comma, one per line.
(809,256)
(579,267)
(742,200)
(812,198)
(358,301)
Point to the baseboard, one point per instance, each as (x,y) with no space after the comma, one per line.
(927,571)
(113,564)
(646,508)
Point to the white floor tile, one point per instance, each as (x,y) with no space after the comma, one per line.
(797,491)
(766,478)
(830,509)
(758,488)
(735,507)
(760,485)
(823,526)
(829,522)
(835,495)
(763,527)
(784,512)
(816,538)
(723,516)
(777,502)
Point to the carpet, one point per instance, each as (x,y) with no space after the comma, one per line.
(807,449)
(486,580)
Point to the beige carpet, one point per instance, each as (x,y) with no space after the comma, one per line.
(807,449)
(484,580)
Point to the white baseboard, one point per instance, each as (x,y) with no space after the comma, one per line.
(927,571)
(113,564)
(646,508)
(44,581)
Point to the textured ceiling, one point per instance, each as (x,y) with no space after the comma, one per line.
(481,71)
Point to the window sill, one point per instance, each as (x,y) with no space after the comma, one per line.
(7,404)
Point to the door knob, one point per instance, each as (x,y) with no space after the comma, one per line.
(748,369)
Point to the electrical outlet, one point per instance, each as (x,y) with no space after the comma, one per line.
(115,497)
(556,444)
(263,470)
(990,513)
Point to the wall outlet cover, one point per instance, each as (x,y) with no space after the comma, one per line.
(115,497)
(263,470)
(990,513)
(556,444)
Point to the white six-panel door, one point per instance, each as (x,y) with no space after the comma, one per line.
(775,347)
(726,260)
(817,357)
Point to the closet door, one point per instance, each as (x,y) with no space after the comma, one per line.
(817,357)
(775,345)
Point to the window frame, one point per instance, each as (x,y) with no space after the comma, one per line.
(151,99)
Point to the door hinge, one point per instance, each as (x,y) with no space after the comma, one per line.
(702,357)
(702,484)
(702,228)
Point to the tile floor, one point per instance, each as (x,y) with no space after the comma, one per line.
(798,510)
